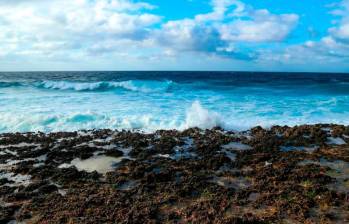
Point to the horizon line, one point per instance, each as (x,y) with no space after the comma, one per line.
(217,71)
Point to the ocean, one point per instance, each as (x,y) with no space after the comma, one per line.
(149,101)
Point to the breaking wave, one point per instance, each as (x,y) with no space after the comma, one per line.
(194,116)
(70,101)
(198,116)
(131,85)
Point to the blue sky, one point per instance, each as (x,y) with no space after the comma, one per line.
(249,35)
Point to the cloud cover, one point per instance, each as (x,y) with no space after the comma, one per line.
(131,33)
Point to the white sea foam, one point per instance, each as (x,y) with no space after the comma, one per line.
(149,106)
(60,118)
(132,85)
(197,116)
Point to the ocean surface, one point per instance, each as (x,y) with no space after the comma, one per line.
(148,101)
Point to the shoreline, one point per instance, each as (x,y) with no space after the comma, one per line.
(280,174)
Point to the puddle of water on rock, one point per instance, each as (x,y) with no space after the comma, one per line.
(93,145)
(229,154)
(226,149)
(298,148)
(236,146)
(84,133)
(18,179)
(10,163)
(19,145)
(163,156)
(181,152)
(188,144)
(38,165)
(328,130)
(127,186)
(231,182)
(101,164)
(178,155)
(339,170)
(335,141)
(5,204)
(62,192)
(253,197)
(7,151)
(105,140)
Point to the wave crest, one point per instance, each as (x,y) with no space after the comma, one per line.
(131,85)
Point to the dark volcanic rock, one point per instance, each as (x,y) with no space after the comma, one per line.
(176,177)
(114,153)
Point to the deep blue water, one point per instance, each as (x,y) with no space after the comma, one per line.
(55,101)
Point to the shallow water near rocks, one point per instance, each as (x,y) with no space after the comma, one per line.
(15,179)
(231,182)
(340,167)
(237,146)
(101,164)
(254,185)
(298,148)
(339,170)
(335,141)
(127,186)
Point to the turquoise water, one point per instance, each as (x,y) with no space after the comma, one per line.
(149,101)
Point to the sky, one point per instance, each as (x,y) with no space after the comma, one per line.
(227,35)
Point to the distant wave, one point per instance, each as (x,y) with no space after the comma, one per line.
(9,84)
(131,85)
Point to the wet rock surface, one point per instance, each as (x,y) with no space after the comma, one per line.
(277,175)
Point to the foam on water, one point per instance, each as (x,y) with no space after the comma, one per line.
(197,116)
(131,85)
(148,102)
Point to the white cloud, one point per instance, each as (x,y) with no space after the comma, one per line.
(230,23)
(58,25)
(261,27)
(220,9)
(330,53)
(341,32)
(189,35)
(72,29)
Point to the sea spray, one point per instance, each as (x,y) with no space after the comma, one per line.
(197,116)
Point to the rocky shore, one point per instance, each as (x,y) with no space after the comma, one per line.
(279,175)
